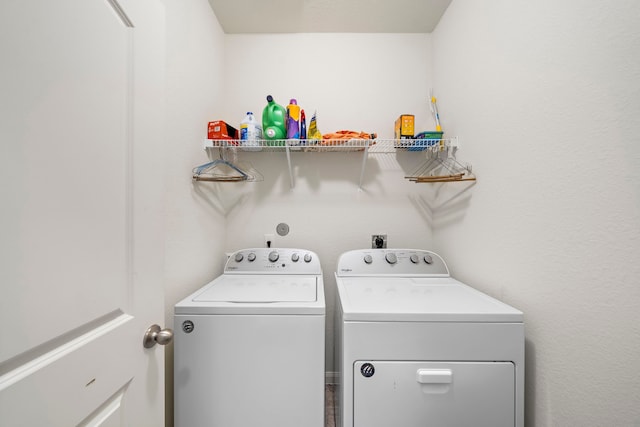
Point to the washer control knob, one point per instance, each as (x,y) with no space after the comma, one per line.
(273,256)
(295,257)
(428,259)
(414,258)
(251,257)
(239,257)
(391,258)
(307,257)
(368,259)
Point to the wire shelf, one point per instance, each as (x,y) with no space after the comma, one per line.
(433,149)
(335,145)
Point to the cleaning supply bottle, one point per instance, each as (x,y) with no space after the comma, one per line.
(314,136)
(293,120)
(250,133)
(303,125)
(273,121)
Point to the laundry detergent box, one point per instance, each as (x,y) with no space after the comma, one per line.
(404,128)
(220,129)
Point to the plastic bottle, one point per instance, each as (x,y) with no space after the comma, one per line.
(314,135)
(250,133)
(303,125)
(293,120)
(273,121)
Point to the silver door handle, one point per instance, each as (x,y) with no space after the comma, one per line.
(156,335)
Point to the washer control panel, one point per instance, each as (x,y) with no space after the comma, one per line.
(395,262)
(273,260)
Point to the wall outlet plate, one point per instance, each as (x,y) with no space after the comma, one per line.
(378,241)
(268,240)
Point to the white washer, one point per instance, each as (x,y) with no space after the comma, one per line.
(249,346)
(416,347)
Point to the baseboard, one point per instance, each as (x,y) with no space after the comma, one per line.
(331,378)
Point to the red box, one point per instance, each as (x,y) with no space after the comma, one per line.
(221,130)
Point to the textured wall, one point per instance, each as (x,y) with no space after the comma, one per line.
(195,226)
(354,82)
(360,82)
(546,97)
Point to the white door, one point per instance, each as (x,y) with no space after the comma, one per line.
(81,243)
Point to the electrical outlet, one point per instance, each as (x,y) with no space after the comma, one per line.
(378,241)
(268,240)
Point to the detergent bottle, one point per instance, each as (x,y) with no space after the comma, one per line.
(250,133)
(303,125)
(273,121)
(293,120)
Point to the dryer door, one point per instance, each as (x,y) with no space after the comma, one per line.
(417,394)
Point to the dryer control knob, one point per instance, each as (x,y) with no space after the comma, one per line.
(368,259)
(273,256)
(251,257)
(307,257)
(295,257)
(391,258)
(414,258)
(239,257)
(428,259)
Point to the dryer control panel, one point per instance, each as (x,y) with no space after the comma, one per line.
(273,261)
(391,262)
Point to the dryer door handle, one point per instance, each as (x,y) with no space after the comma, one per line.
(434,376)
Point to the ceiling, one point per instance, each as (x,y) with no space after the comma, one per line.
(328,16)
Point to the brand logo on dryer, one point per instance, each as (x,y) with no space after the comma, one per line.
(367,370)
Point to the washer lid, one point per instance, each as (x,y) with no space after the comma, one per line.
(265,289)
(257,294)
(419,299)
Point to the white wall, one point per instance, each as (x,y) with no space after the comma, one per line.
(546,97)
(360,82)
(195,225)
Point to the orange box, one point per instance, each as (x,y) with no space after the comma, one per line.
(220,129)
(404,128)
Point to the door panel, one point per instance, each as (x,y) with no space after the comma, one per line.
(81,268)
(67,142)
(71,368)
(438,394)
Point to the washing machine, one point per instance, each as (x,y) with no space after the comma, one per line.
(249,346)
(415,347)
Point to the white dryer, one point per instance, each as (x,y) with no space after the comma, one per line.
(418,348)
(249,346)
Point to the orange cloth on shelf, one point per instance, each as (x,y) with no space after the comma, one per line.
(345,135)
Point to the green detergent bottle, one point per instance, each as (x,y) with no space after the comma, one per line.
(273,122)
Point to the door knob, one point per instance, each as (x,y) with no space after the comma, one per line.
(156,335)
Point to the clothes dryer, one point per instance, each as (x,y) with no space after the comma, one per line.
(249,346)
(417,348)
